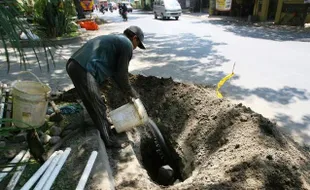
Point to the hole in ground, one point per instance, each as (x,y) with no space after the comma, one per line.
(158,158)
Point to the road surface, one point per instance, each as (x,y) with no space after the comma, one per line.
(271,73)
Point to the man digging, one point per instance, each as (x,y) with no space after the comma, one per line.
(102,57)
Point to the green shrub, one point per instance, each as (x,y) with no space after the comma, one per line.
(54,17)
(12,23)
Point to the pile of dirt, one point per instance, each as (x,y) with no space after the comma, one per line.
(219,145)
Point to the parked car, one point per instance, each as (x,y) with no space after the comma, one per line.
(128,5)
(166,9)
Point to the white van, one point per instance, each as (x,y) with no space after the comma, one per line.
(166,9)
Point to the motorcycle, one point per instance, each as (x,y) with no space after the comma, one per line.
(123,13)
(102,10)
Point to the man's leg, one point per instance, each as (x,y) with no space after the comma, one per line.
(89,93)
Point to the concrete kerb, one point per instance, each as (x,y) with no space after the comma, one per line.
(102,172)
(102,175)
(49,42)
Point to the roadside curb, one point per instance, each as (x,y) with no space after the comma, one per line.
(102,175)
(50,42)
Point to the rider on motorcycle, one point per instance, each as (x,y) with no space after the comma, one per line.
(124,11)
(124,8)
(101,8)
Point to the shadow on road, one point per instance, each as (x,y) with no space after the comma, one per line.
(292,127)
(55,75)
(276,33)
(185,57)
(166,20)
(284,96)
(189,58)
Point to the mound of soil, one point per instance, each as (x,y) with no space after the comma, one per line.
(219,145)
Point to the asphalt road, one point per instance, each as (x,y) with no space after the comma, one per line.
(272,65)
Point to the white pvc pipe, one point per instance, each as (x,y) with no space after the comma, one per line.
(2,101)
(48,172)
(6,170)
(19,171)
(39,172)
(55,172)
(87,171)
(1,112)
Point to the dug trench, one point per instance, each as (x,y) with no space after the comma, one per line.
(214,144)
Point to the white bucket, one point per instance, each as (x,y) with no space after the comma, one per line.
(30,100)
(129,116)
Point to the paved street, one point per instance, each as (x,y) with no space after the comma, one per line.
(271,66)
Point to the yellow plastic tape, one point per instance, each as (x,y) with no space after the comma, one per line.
(221,83)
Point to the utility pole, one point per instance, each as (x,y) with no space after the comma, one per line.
(306,7)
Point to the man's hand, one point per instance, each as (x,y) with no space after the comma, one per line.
(130,99)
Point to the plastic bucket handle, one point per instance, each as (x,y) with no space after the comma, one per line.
(35,76)
(23,72)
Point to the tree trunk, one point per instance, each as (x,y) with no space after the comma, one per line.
(79,10)
(305,12)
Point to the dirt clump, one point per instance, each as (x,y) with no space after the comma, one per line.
(219,145)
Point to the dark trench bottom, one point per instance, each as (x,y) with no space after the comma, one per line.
(159,159)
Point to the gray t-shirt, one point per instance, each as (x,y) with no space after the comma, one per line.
(107,56)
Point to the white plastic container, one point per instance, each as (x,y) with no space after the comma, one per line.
(30,100)
(129,116)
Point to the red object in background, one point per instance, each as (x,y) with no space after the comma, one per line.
(89,25)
